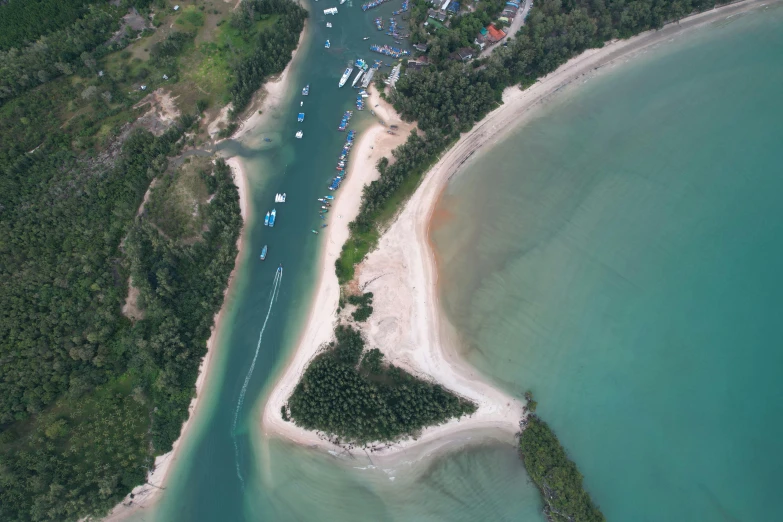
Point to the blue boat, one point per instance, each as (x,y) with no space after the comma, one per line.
(266,220)
(306,90)
(300,117)
(263,253)
(327,44)
(272,218)
(267,140)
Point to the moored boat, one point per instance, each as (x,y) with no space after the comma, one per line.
(300,117)
(327,44)
(263,253)
(272,217)
(306,90)
(266,220)
(299,134)
(345,76)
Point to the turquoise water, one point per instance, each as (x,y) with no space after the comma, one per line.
(624,255)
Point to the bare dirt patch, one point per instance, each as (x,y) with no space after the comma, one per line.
(162,112)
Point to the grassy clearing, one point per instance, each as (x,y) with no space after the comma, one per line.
(178,204)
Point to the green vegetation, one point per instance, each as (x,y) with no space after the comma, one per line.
(449,97)
(363,305)
(23,21)
(555,475)
(88,395)
(351,394)
(272,49)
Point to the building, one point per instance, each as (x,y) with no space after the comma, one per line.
(422,48)
(494,34)
(453,7)
(464,54)
(445,5)
(414,66)
(436,15)
(480,41)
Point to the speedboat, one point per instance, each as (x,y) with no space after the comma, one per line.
(327,44)
(263,253)
(328,24)
(272,218)
(280,267)
(266,220)
(306,90)
(300,117)
(299,134)
(314,232)
(301,103)
(366,38)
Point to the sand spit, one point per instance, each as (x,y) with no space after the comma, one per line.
(406,323)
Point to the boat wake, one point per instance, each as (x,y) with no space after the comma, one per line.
(272,300)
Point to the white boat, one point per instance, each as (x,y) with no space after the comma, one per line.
(346,74)
(356,79)
(331,11)
(282,197)
(342,2)
(301,103)
(299,134)
(366,38)
(328,24)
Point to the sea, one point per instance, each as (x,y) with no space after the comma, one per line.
(618,256)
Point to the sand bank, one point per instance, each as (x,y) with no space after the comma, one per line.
(146,495)
(372,144)
(406,323)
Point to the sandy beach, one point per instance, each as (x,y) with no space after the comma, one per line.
(146,495)
(371,145)
(407,324)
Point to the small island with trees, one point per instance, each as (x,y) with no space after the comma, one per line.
(554,474)
(352,395)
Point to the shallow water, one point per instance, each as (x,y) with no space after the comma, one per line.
(620,256)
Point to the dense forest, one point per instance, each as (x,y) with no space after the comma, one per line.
(449,97)
(96,381)
(273,48)
(555,475)
(350,393)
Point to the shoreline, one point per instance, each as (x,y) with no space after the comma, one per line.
(148,494)
(408,324)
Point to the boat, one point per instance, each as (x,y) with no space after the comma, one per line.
(324,225)
(272,217)
(300,118)
(321,200)
(267,140)
(282,198)
(331,11)
(327,44)
(342,2)
(299,134)
(263,253)
(346,74)
(280,267)
(328,197)
(358,76)
(328,24)
(366,38)
(266,220)
(306,90)
(314,232)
